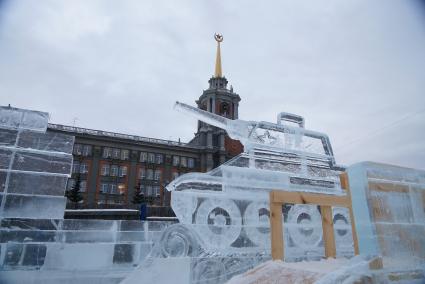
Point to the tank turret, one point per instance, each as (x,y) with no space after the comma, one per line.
(279,137)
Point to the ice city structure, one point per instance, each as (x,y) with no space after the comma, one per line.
(223,227)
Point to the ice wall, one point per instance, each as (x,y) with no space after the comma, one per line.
(34,166)
(389,205)
(74,251)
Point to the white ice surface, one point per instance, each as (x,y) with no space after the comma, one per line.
(14,118)
(161,270)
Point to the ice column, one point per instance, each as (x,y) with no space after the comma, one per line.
(34,166)
(389,206)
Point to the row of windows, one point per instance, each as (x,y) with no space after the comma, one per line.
(113,170)
(82,168)
(121,171)
(183,162)
(82,150)
(113,188)
(150,190)
(115,153)
(146,157)
(149,174)
(123,154)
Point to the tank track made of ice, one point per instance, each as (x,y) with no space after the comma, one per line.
(226,209)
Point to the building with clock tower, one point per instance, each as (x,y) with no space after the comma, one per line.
(222,100)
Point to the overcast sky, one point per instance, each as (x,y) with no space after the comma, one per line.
(355,69)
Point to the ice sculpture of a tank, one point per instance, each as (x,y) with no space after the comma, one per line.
(226,210)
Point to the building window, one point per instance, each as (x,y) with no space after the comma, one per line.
(142,173)
(149,174)
(87,150)
(84,168)
(116,153)
(114,171)
(107,152)
(142,189)
(149,190)
(157,190)
(121,188)
(183,162)
(157,175)
(151,158)
(143,157)
(104,188)
(83,186)
(77,149)
(125,154)
(75,167)
(176,161)
(105,170)
(191,163)
(175,175)
(113,188)
(123,171)
(159,158)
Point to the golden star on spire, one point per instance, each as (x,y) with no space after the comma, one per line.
(218,72)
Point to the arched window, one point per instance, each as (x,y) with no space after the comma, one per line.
(224,109)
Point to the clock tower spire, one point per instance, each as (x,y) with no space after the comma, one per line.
(221,100)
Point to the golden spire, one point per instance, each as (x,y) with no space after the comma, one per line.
(218,73)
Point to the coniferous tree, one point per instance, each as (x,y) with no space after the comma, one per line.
(139,197)
(74,195)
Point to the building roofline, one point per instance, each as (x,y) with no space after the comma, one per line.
(108,134)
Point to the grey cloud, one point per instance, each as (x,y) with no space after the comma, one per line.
(350,67)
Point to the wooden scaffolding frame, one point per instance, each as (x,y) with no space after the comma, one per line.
(325,201)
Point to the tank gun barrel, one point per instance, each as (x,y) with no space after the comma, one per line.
(202,115)
(236,129)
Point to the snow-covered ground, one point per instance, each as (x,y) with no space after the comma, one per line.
(329,271)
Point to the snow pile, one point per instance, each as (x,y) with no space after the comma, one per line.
(324,272)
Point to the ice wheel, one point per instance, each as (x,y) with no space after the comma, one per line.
(257,223)
(218,222)
(342,226)
(208,270)
(179,241)
(304,224)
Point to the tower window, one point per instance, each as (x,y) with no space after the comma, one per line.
(224,109)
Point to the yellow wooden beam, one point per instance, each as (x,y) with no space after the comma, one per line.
(346,185)
(276,229)
(296,197)
(328,231)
